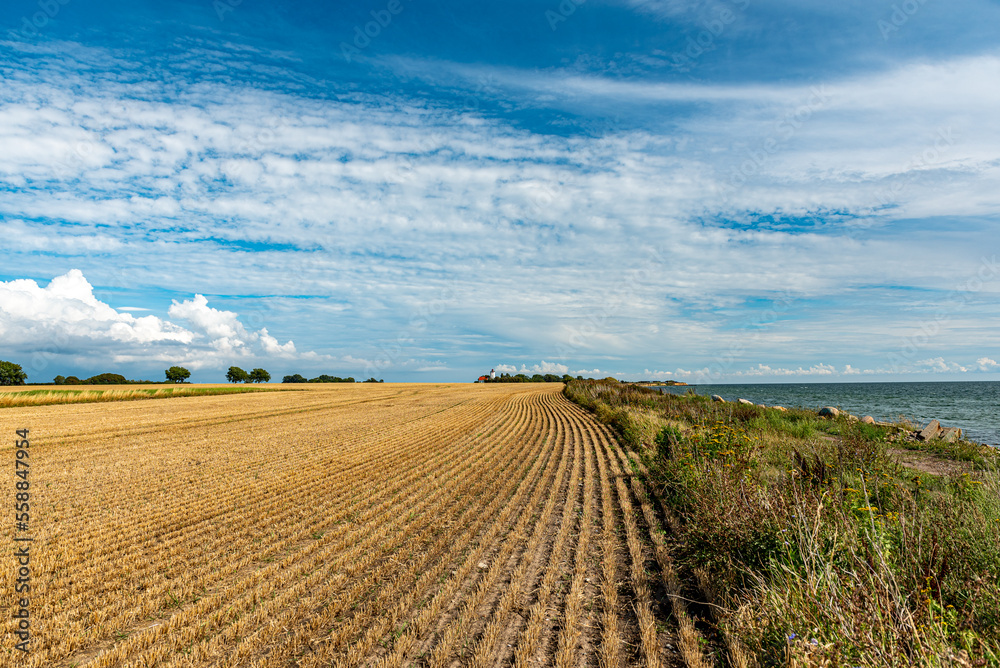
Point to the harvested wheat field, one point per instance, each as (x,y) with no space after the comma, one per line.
(354,525)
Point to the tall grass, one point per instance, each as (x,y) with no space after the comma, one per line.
(822,548)
(49,397)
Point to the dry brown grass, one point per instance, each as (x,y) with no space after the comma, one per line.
(808,542)
(336,525)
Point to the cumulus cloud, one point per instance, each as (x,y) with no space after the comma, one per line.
(66,310)
(987,364)
(542,367)
(65,319)
(764,370)
(939,365)
(224,330)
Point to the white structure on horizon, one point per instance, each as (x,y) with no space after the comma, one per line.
(493,374)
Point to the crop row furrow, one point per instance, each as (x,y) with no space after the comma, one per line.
(397,584)
(530,639)
(464,625)
(421,632)
(652,654)
(531,561)
(569,635)
(372,513)
(179,500)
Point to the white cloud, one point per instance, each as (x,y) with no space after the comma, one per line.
(67,310)
(987,364)
(764,370)
(664,375)
(938,365)
(66,320)
(371,204)
(543,368)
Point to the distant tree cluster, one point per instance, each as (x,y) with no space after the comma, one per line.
(107,379)
(324,378)
(299,378)
(537,378)
(238,375)
(99,379)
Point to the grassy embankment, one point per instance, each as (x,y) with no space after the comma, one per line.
(819,548)
(44,397)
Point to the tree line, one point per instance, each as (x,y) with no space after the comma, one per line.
(13,374)
(324,378)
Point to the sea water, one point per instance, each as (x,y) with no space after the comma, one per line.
(972,406)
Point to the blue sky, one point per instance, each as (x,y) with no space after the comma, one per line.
(711,191)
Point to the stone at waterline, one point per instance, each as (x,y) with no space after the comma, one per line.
(716,397)
(745,402)
(829,411)
(930,432)
(780,408)
(868,419)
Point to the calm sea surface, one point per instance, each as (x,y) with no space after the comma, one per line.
(973,406)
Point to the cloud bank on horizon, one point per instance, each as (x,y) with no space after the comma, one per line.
(740,190)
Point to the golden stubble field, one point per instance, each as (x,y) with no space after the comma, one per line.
(376,525)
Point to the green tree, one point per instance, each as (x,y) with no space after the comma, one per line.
(177,374)
(72,380)
(294,378)
(237,375)
(59,380)
(259,376)
(11,374)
